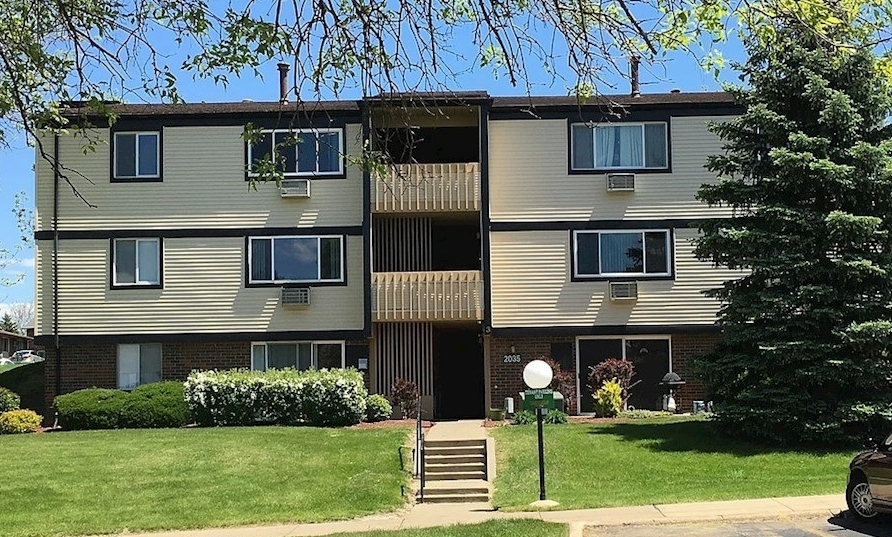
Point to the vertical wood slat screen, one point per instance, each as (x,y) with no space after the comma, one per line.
(451,186)
(401,245)
(405,350)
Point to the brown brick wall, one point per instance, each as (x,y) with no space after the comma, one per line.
(684,348)
(89,366)
(506,380)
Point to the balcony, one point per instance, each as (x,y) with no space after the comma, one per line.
(437,187)
(427,296)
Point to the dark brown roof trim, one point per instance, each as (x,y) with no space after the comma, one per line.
(679,99)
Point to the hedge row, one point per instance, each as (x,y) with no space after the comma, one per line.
(335,397)
(156,405)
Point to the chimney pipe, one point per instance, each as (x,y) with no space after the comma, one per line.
(633,76)
(283,82)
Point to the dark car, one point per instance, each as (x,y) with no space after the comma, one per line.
(869,490)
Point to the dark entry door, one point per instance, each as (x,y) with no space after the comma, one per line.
(649,356)
(458,373)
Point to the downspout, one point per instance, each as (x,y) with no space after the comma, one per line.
(56,176)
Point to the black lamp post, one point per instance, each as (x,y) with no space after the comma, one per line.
(537,376)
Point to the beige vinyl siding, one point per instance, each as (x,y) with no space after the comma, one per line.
(529,179)
(531,286)
(43,297)
(203,292)
(203,171)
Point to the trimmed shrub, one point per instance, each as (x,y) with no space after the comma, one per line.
(93,408)
(608,399)
(377,408)
(524,417)
(9,400)
(334,397)
(405,396)
(621,371)
(642,414)
(20,421)
(156,405)
(555,417)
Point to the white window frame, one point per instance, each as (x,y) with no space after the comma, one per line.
(642,124)
(666,337)
(139,364)
(296,133)
(157,135)
(137,282)
(670,261)
(273,258)
(314,360)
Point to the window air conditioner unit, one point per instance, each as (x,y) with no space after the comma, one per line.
(620,182)
(623,290)
(295,296)
(294,188)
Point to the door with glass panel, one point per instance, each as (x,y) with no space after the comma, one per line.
(649,355)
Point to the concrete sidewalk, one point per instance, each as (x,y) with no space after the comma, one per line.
(428,515)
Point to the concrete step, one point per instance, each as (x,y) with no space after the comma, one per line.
(458,486)
(454,498)
(471,442)
(453,467)
(454,475)
(456,491)
(455,459)
(458,450)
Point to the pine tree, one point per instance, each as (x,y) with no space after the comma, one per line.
(807,172)
(7,324)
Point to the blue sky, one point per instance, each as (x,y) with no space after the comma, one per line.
(17,162)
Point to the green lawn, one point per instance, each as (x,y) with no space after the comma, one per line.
(4,368)
(108,481)
(650,461)
(493,528)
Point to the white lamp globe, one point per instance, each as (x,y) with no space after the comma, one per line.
(537,375)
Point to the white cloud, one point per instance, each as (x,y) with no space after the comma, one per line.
(27,263)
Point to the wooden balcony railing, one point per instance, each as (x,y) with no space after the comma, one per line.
(407,188)
(455,295)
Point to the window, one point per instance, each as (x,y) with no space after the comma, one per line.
(137,155)
(621,253)
(136,262)
(619,146)
(138,364)
(300,356)
(296,259)
(313,152)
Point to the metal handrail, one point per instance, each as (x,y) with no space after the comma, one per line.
(419,438)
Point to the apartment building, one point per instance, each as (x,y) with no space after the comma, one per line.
(505,229)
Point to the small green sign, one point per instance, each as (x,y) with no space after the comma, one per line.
(540,397)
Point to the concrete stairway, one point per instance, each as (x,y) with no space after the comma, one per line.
(455,471)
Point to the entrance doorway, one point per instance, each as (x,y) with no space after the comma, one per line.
(649,354)
(458,372)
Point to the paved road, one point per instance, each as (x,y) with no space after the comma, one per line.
(798,527)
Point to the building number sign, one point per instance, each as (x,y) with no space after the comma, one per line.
(511,358)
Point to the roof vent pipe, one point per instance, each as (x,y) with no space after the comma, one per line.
(283,82)
(633,76)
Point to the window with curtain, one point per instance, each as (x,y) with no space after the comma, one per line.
(618,146)
(306,152)
(296,259)
(137,155)
(622,253)
(297,355)
(136,262)
(138,364)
